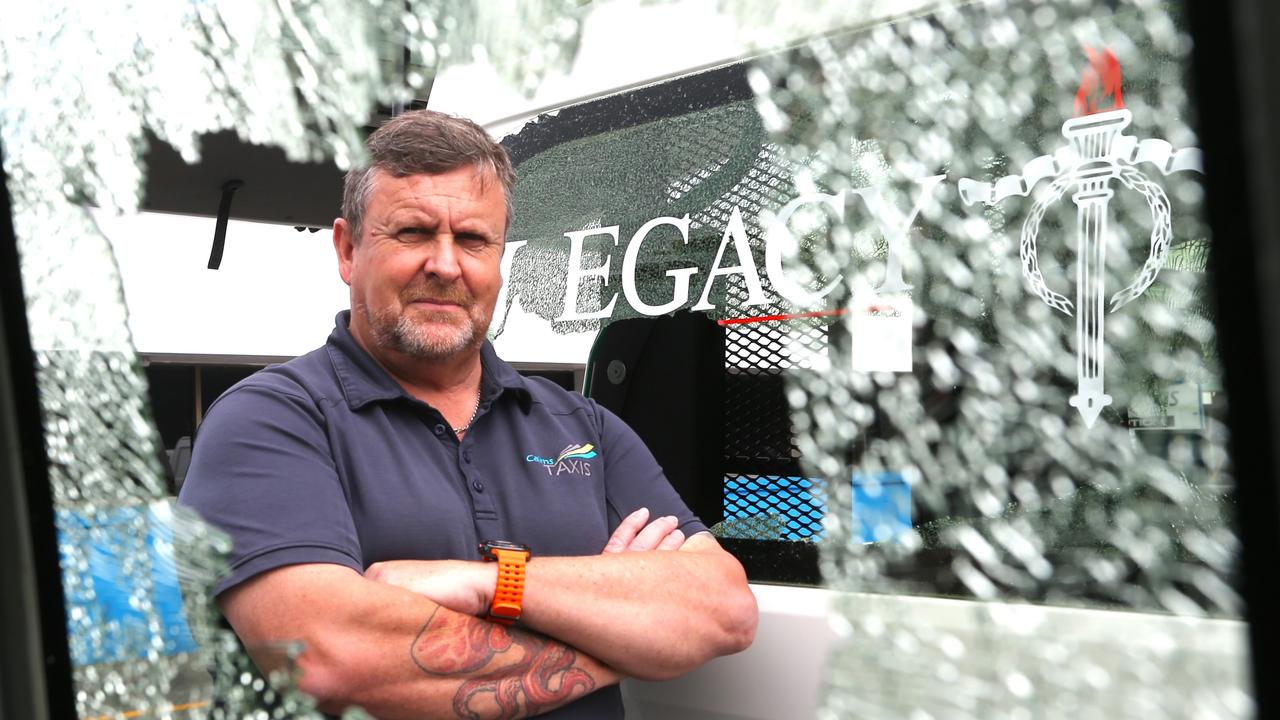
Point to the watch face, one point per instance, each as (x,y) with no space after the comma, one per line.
(488,546)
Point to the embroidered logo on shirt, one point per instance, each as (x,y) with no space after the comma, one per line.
(573,459)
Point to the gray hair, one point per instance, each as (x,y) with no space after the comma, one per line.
(424,142)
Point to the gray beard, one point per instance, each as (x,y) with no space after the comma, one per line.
(403,335)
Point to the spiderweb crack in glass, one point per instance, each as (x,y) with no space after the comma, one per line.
(1015,502)
(79,83)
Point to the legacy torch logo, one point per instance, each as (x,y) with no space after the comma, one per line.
(1097,153)
(573,459)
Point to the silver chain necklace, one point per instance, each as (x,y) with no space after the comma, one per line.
(474,413)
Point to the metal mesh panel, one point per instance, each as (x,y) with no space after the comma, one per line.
(758,433)
(765,497)
(766,184)
(774,508)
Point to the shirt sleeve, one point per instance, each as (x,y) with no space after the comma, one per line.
(634,479)
(261,472)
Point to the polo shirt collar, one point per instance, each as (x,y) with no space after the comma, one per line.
(364,381)
(497,377)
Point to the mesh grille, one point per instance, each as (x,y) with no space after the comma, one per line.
(757,419)
(765,497)
(766,184)
(773,508)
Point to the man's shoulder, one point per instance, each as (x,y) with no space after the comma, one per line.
(555,399)
(541,392)
(307,377)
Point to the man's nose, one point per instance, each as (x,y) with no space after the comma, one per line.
(442,259)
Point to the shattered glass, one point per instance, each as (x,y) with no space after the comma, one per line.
(79,84)
(1059,420)
(1061,452)
(1044,469)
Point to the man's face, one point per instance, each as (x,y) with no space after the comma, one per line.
(425,273)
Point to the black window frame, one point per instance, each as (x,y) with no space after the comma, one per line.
(35,655)
(1236,75)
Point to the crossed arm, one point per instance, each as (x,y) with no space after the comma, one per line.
(398,654)
(403,640)
(650,615)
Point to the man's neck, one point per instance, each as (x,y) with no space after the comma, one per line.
(426,379)
(442,383)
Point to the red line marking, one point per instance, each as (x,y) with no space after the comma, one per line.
(774,318)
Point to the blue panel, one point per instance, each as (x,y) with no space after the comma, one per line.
(112,628)
(775,508)
(881,505)
(770,507)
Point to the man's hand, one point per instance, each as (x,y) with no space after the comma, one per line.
(634,535)
(460,585)
(649,615)
(466,586)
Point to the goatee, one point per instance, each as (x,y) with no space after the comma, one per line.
(428,335)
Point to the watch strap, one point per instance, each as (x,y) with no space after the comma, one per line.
(508,595)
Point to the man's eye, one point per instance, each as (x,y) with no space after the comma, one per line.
(473,241)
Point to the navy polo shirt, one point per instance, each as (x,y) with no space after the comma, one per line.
(326,459)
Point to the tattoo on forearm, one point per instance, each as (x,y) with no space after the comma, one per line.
(522,673)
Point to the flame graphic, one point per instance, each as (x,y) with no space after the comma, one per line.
(1100,87)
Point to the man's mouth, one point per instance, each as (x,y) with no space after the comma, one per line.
(434,303)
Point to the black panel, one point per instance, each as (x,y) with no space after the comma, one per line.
(217,379)
(275,189)
(173,408)
(663,377)
(563,378)
(1237,73)
(32,583)
(711,428)
(673,98)
(776,561)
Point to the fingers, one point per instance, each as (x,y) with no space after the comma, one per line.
(672,541)
(636,533)
(621,539)
(655,533)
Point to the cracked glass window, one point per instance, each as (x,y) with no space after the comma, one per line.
(89,93)
(1024,384)
(950,265)
(948,262)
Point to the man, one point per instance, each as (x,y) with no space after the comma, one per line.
(357,482)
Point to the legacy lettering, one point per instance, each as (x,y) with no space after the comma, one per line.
(893,224)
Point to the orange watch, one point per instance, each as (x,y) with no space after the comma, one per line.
(508,597)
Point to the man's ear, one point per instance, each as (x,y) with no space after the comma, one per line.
(345,247)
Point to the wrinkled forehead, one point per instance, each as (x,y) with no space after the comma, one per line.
(462,195)
(483,176)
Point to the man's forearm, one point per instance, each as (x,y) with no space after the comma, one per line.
(502,673)
(651,615)
(399,655)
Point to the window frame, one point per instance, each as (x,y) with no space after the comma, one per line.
(35,657)
(1236,73)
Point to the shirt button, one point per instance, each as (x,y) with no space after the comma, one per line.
(439,429)
(466,456)
(479,486)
